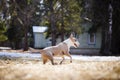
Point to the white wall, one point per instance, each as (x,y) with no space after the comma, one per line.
(83,39)
(39,40)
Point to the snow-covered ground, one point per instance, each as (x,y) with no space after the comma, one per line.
(19,55)
(75,57)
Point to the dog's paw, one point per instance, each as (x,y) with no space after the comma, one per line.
(55,63)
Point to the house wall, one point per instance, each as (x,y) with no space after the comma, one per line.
(39,40)
(84,43)
(84,40)
(84,48)
(84,37)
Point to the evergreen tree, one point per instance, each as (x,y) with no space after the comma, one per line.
(101,19)
(3,37)
(62,17)
(23,15)
(115,46)
(4,17)
(110,29)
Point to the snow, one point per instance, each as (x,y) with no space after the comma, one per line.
(96,58)
(40,29)
(17,55)
(75,57)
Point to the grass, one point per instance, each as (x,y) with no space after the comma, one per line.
(23,69)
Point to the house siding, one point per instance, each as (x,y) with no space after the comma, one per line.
(84,48)
(83,39)
(39,40)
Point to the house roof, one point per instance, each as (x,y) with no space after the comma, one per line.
(39,29)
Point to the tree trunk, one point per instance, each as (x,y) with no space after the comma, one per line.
(105,46)
(25,45)
(62,23)
(106,39)
(62,33)
(52,23)
(103,41)
(115,47)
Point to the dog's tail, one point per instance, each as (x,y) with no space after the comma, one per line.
(42,51)
(34,50)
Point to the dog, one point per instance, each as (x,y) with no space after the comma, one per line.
(61,50)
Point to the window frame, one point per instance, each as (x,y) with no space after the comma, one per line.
(94,37)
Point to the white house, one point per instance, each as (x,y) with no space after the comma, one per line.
(39,38)
(89,43)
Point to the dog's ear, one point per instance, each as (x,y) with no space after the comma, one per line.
(71,35)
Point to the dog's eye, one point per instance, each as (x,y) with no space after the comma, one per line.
(75,40)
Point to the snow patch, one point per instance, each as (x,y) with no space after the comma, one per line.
(75,57)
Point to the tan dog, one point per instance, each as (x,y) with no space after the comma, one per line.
(61,49)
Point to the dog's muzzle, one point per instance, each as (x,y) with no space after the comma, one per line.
(75,45)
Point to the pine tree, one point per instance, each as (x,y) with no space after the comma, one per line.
(62,17)
(3,19)
(3,37)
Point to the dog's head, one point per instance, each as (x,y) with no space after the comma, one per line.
(74,41)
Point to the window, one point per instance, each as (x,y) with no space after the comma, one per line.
(91,38)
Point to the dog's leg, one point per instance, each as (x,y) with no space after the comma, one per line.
(50,57)
(52,61)
(62,59)
(44,61)
(44,58)
(70,58)
(68,54)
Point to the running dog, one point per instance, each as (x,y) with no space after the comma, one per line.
(61,50)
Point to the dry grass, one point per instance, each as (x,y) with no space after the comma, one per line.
(78,70)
